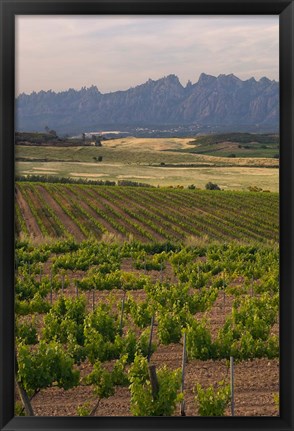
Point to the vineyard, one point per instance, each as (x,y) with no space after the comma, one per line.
(45,211)
(136,301)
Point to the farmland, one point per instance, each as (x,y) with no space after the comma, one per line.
(101,268)
(162,161)
(85,312)
(236,145)
(112,279)
(46,210)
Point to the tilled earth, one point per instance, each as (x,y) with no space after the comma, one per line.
(255,383)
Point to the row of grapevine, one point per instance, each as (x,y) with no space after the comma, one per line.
(149,214)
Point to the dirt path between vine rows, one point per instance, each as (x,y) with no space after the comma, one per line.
(67,222)
(256,382)
(30,221)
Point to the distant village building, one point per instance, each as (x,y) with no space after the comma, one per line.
(96,141)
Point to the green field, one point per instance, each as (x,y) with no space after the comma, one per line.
(159,162)
(236,145)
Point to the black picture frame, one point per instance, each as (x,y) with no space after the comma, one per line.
(8,10)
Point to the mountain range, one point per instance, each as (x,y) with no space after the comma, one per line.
(220,102)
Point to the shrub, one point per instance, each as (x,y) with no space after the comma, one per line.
(212,186)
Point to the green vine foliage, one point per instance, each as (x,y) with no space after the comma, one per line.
(169,328)
(199,341)
(104,381)
(26,332)
(65,321)
(246,333)
(213,401)
(35,305)
(142,402)
(140,312)
(44,366)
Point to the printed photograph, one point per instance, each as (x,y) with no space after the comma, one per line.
(147,215)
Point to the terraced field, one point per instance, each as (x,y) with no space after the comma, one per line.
(146,214)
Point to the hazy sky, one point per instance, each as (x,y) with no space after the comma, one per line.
(119,52)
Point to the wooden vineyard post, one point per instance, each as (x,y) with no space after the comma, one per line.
(93,299)
(232,385)
(22,392)
(153,381)
(62,284)
(77,291)
(25,400)
(150,338)
(224,296)
(51,287)
(122,314)
(184,360)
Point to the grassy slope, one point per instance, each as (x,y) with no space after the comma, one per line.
(239,144)
(139,159)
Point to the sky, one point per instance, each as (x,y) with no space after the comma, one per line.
(122,51)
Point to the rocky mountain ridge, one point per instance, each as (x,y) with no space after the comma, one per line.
(224,101)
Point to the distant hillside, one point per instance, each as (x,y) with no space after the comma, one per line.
(223,101)
(51,139)
(236,145)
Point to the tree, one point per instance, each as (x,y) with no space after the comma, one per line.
(53,133)
(212,186)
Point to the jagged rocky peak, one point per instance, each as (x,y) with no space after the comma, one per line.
(90,90)
(205,79)
(170,80)
(229,80)
(167,82)
(251,80)
(230,76)
(265,81)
